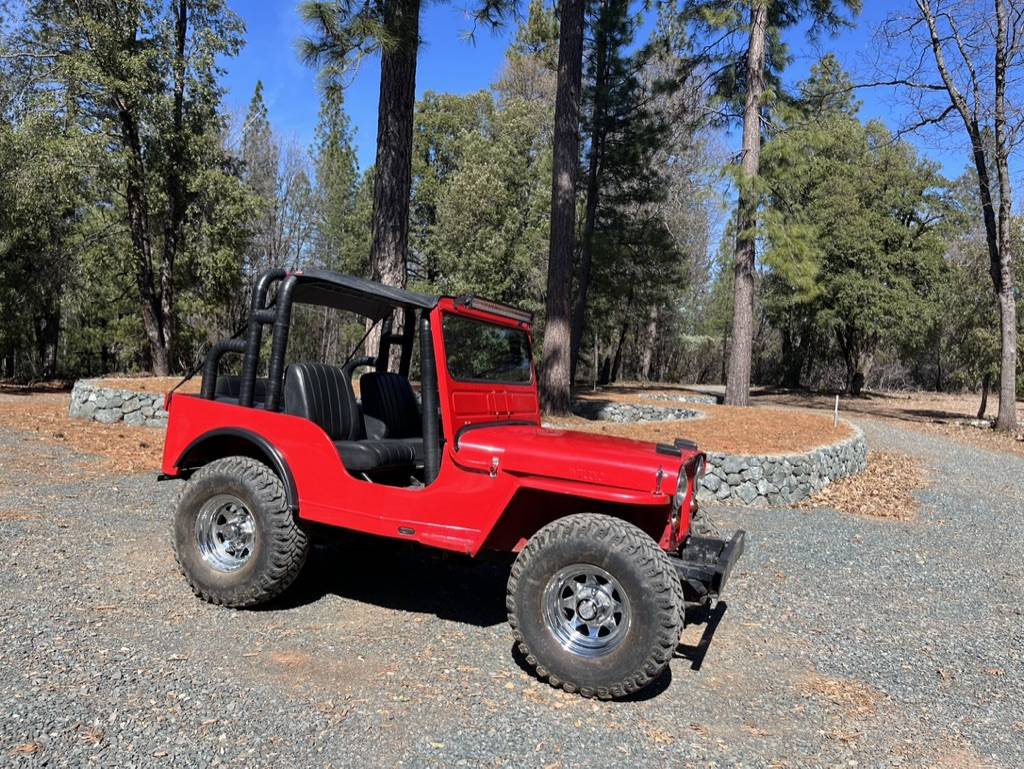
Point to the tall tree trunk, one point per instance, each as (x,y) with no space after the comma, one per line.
(146,281)
(737,388)
(647,357)
(556,385)
(1007,416)
(598,129)
(986,383)
(619,346)
(47,332)
(997,233)
(175,184)
(392,180)
(792,363)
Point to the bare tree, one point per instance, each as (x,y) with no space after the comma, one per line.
(968,56)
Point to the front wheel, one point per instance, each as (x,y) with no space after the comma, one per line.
(235,539)
(595,606)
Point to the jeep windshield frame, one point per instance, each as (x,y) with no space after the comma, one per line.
(516,357)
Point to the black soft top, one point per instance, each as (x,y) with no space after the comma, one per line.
(361,296)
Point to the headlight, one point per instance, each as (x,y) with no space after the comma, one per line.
(699,469)
(683,481)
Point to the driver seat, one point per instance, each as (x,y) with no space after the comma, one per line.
(323,394)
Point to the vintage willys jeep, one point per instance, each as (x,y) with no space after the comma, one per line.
(607,563)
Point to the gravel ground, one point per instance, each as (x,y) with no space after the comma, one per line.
(845,642)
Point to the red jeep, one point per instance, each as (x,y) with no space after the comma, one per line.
(607,563)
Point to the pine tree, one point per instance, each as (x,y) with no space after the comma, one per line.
(744,39)
(555,382)
(338,245)
(260,162)
(143,74)
(621,135)
(851,224)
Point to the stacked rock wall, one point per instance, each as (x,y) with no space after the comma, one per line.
(614,411)
(90,400)
(781,479)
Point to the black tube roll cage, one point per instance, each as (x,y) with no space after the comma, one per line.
(278,315)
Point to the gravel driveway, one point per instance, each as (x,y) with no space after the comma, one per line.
(845,642)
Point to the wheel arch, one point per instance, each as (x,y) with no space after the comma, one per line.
(233,442)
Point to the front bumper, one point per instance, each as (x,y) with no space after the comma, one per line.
(705,563)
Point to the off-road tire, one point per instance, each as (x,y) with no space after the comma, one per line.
(644,572)
(281,544)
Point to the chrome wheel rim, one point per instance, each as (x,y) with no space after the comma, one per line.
(586,610)
(225,532)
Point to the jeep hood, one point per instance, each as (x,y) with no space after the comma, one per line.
(603,460)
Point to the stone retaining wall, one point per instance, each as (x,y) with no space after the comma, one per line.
(90,400)
(711,400)
(614,411)
(781,479)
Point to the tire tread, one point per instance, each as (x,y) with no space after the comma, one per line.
(659,578)
(288,542)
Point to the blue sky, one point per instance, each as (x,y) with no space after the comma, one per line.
(447,62)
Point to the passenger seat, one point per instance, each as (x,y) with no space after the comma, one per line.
(389,398)
(323,395)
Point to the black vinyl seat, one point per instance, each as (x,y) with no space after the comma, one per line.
(323,394)
(229,387)
(389,398)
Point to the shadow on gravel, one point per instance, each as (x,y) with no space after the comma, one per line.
(696,652)
(401,575)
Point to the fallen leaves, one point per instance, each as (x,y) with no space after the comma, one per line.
(883,490)
(91,735)
(659,736)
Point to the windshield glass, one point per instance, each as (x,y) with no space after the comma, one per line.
(482,351)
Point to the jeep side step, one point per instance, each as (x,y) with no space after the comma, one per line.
(705,563)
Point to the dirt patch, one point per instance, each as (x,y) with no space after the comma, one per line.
(853,698)
(122,448)
(302,670)
(883,490)
(18,515)
(981,438)
(729,429)
(946,414)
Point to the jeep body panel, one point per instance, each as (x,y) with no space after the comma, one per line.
(458,511)
(587,458)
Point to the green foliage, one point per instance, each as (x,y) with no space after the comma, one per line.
(852,240)
(721,29)
(342,238)
(441,129)
(491,230)
(531,62)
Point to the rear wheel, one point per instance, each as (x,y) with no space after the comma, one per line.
(235,539)
(595,606)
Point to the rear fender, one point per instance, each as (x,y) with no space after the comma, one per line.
(235,442)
